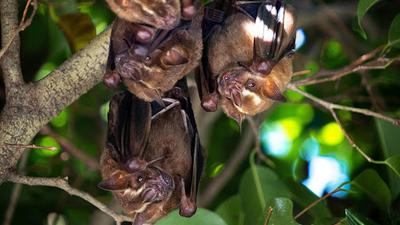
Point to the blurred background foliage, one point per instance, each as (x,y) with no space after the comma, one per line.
(304,154)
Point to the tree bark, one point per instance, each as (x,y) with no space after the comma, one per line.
(33,105)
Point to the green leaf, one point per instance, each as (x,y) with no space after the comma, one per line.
(394,163)
(363,7)
(394,32)
(202,216)
(302,196)
(374,187)
(231,211)
(389,136)
(258,186)
(282,213)
(353,218)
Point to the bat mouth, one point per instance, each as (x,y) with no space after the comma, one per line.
(158,188)
(230,87)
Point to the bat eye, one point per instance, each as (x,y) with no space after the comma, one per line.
(251,84)
(140,179)
(225,76)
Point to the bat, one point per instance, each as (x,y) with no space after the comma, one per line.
(246,61)
(161,14)
(153,159)
(151,64)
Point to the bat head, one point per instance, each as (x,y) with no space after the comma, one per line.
(164,14)
(243,92)
(139,182)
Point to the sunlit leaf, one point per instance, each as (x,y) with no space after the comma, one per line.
(258,186)
(282,213)
(78,29)
(231,211)
(374,187)
(353,218)
(394,32)
(363,7)
(202,217)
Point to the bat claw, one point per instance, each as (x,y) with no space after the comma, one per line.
(112,79)
(188,9)
(210,103)
(188,207)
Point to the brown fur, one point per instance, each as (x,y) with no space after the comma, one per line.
(159,78)
(157,13)
(174,158)
(233,43)
(150,78)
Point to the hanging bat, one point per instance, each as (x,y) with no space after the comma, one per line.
(150,65)
(247,62)
(160,14)
(153,159)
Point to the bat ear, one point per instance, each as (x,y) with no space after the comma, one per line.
(174,57)
(117,182)
(272,91)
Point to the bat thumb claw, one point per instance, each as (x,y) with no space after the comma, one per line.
(187,208)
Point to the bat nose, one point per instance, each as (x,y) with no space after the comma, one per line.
(168,181)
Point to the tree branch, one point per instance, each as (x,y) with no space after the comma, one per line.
(36,104)
(332,106)
(63,184)
(10,64)
(359,65)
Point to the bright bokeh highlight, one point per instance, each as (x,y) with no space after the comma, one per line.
(292,127)
(104,111)
(275,139)
(217,169)
(331,134)
(325,174)
(300,38)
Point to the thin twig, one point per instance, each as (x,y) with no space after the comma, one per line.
(16,192)
(358,65)
(71,148)
(301,72)
(22,25)
(31,146)
(320,200)
(62,183)
(350,140)
(329,106)
(268,215)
